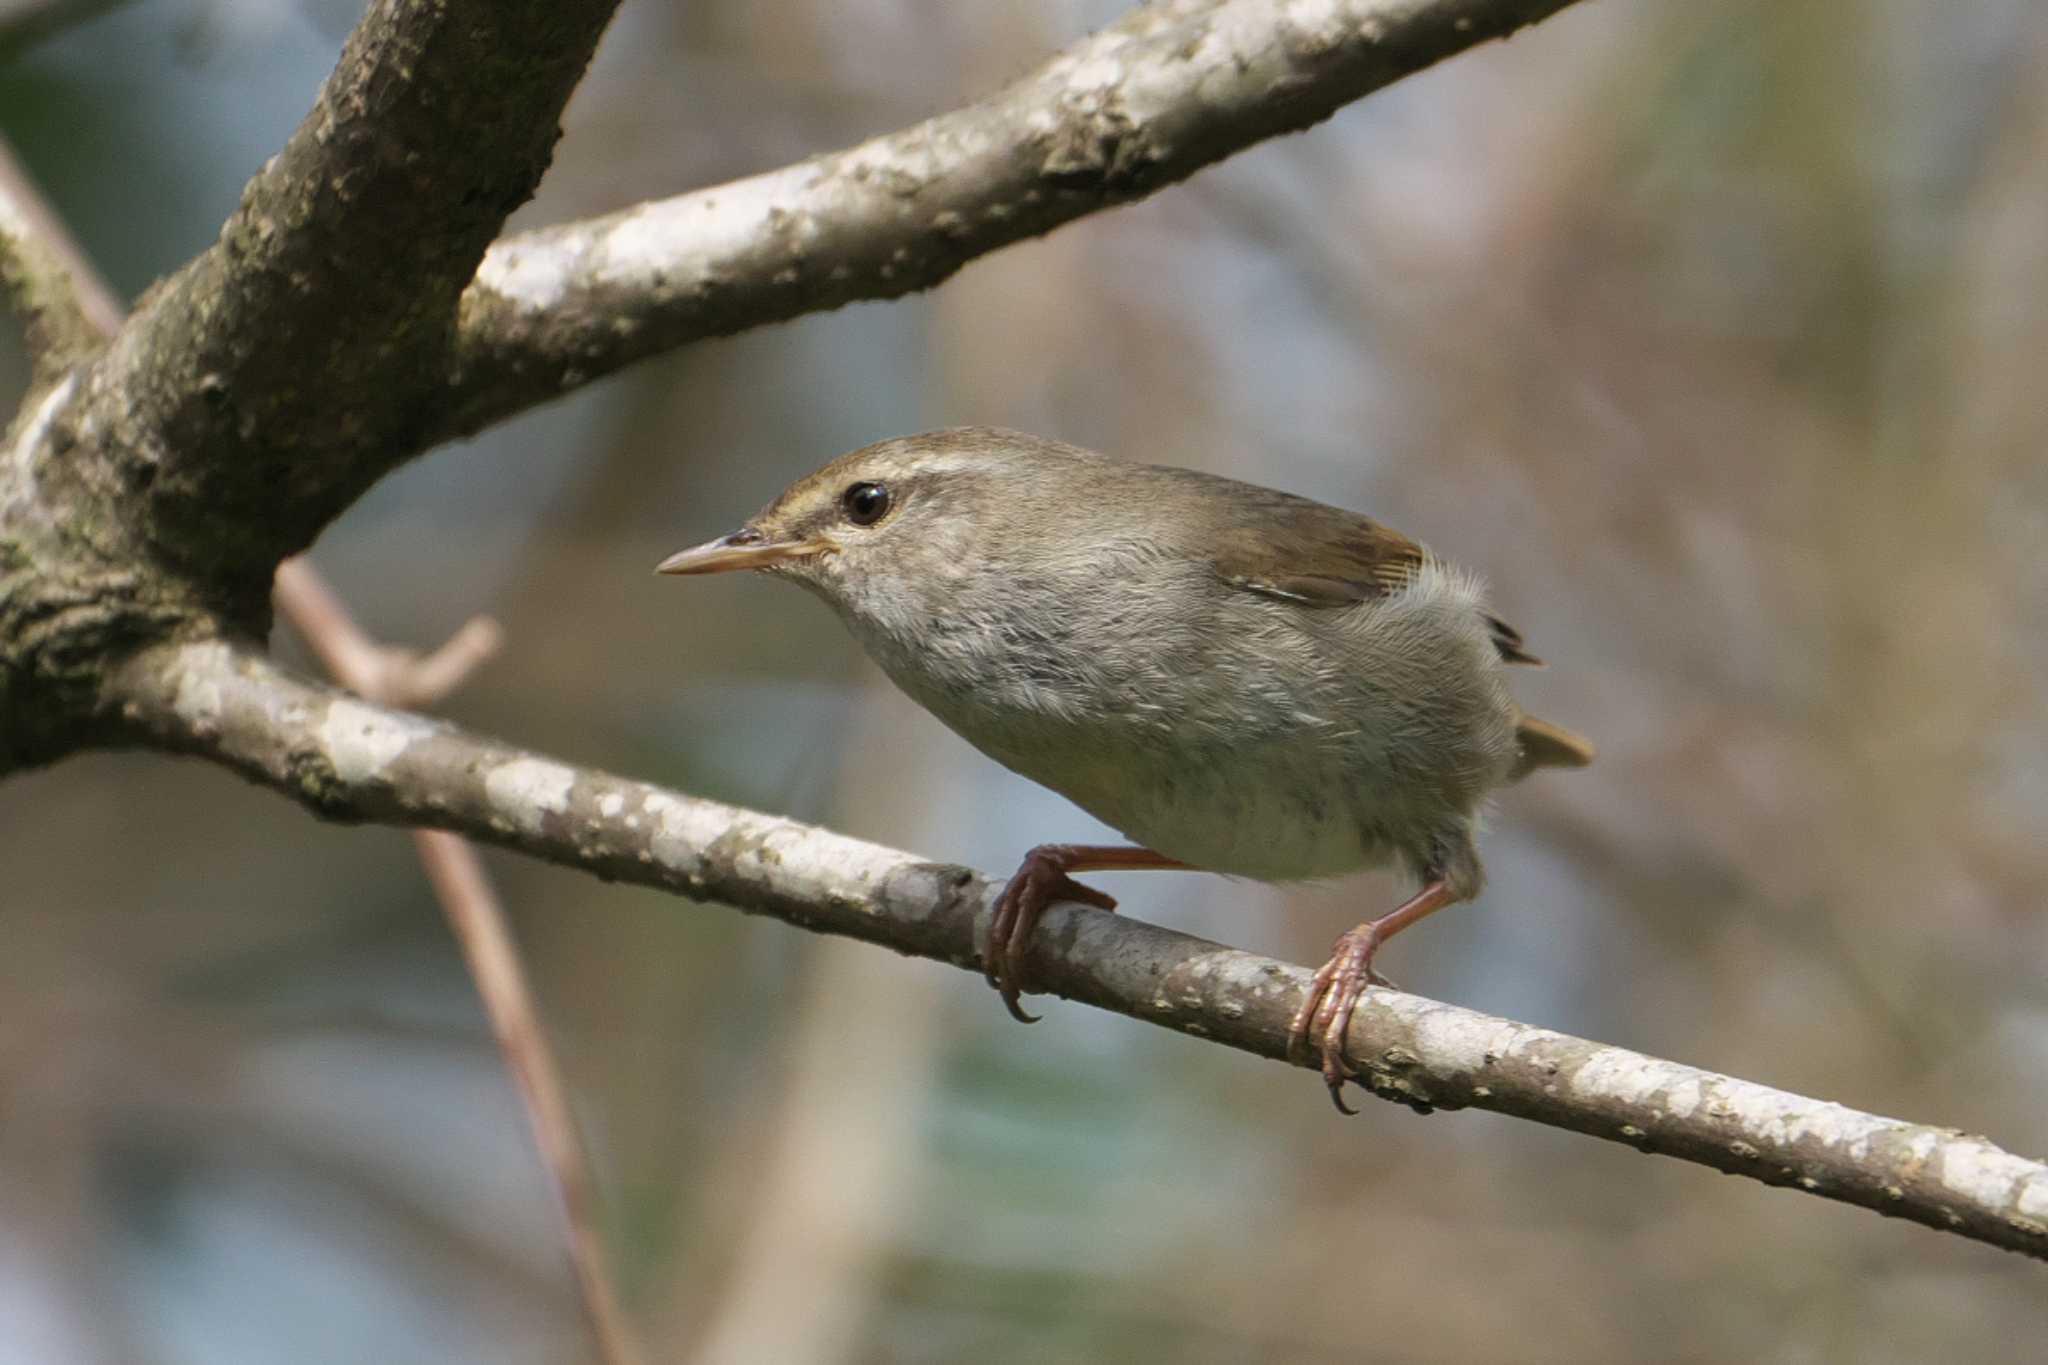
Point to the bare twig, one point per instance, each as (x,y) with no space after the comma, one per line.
(399,677)
(478,920)
(366,667)
(347,759)
(1148,101)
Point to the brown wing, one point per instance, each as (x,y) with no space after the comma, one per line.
(1317,556)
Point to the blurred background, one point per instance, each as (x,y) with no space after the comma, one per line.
(1713,335)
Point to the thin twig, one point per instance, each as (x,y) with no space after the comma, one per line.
(382,673)
(345,758)
(478,919)
(367,667)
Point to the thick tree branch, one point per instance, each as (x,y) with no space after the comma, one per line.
(348,759)
(1148,101)
(264,386)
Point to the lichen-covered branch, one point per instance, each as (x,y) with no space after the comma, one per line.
(259,390)
(350,760)
(1150,100)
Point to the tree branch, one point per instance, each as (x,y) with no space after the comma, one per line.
(349,317)
(401,677)
(1152,99)
(257,392)
(347,759)
(67,314)
(387,674)
(477,919)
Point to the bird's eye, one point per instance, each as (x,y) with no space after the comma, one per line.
(865,503)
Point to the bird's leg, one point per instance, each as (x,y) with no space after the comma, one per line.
(1041,880)
(1338,984)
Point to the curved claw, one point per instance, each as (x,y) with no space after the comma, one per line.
(1331,1000)
(1333,995)
(998,961)
(1039,881)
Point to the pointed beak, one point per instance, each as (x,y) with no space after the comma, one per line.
(745,548)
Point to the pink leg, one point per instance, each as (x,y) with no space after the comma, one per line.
(1334,994)
(1041,880)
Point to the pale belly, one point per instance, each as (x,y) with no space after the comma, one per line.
(1285,802)
(1286,812)
(1250,742)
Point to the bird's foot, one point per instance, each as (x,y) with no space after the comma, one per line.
(1041,880)
(1339,983)
(1331,1000)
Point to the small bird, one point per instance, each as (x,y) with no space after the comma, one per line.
(1238,679)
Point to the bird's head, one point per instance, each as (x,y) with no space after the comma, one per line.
(892,526)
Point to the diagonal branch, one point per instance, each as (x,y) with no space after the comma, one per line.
(67,314)
(260,389)
(1152,99)
(350,760)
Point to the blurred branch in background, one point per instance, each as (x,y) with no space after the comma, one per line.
(347,759)
(56,274)
(398,677)
(383,673)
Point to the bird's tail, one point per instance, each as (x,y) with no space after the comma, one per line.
(1547,746)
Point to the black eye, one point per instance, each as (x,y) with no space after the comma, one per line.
(865,503)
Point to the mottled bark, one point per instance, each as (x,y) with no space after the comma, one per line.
(149,488)
(346,759)
(258,391)
(1146,102)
